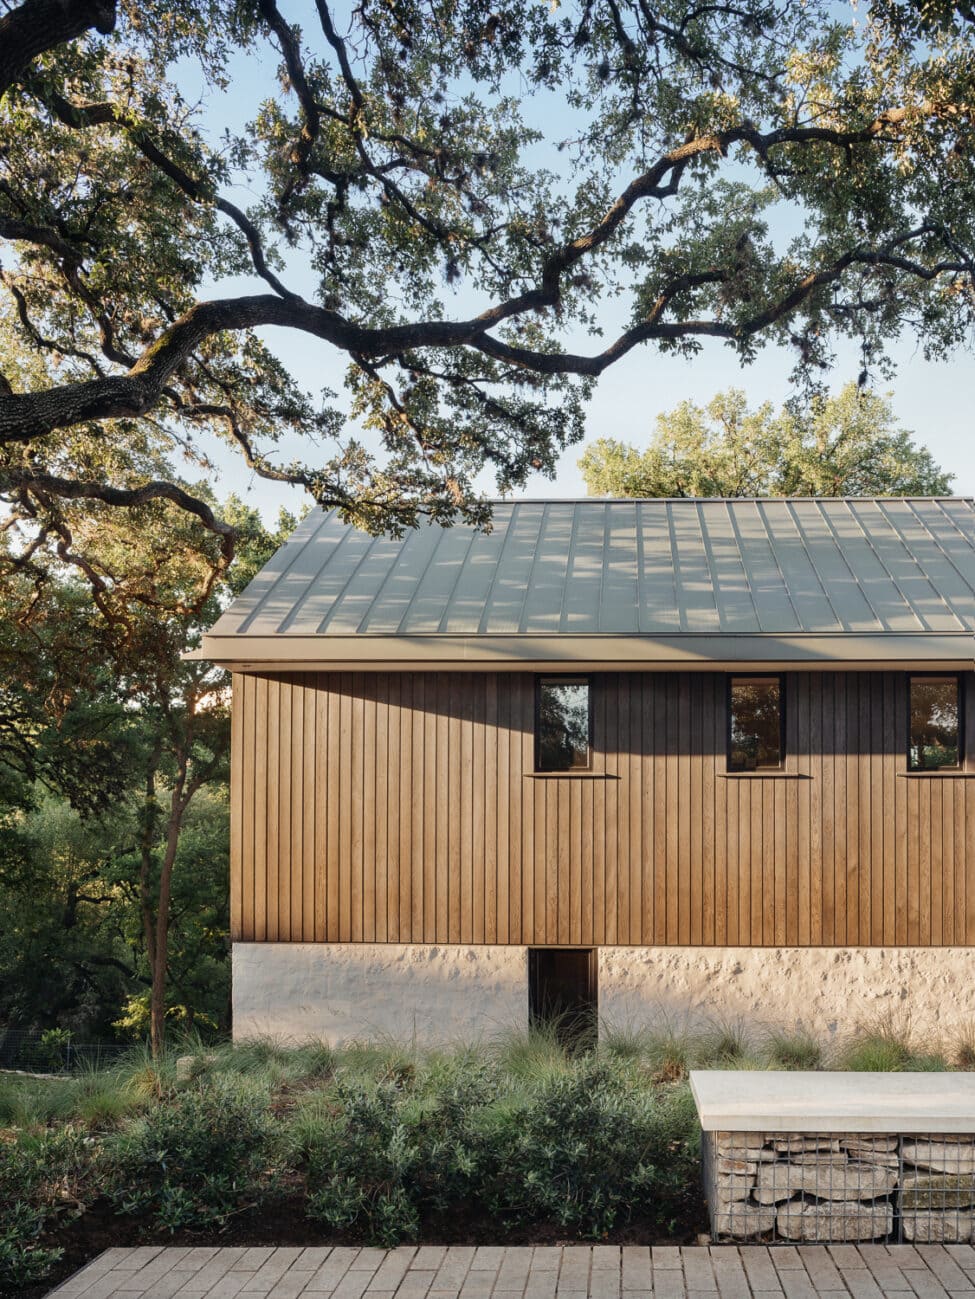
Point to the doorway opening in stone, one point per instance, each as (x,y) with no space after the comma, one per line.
(563,994)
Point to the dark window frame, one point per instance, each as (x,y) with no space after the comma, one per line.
(731,678)
(574,679)
(959,679)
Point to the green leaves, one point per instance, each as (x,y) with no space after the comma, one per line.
(848,445)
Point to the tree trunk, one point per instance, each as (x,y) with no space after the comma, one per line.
(160,947)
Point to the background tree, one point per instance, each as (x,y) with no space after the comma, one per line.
(115,872)
(404,214)
(848,445)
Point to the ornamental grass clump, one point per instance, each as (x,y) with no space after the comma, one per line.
(195,1158)
(795,1050)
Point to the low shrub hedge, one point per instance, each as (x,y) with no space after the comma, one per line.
(194,1158)
(587,1148)
(40,1177)
(375,1143)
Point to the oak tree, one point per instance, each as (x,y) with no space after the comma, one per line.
(847,445)
(477,209)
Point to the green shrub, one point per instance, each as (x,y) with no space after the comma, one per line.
(195,1158)
(363,1164)
(590,1149)
(379,1155)
(40,1176)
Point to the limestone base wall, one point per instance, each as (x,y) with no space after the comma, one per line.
(358,991)
(442,993)
(829,990)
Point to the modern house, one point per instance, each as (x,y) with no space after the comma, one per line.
(659,757)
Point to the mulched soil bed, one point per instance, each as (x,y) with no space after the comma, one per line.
(284,1223)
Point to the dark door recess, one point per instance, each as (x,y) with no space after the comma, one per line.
(562,992)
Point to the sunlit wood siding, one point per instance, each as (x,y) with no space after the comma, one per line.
(402,807)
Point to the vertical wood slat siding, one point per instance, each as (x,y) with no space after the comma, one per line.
(402,808)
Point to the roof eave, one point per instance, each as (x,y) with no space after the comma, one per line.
(948,651)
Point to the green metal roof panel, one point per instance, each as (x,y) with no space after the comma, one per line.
(617,567)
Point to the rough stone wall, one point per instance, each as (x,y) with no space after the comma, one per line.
(828,990)
(840,1187)
(346,991)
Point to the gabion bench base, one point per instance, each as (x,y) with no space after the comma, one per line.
(840,1187)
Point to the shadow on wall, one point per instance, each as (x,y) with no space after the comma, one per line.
(653,713)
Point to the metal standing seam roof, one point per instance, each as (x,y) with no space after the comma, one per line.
(788,567)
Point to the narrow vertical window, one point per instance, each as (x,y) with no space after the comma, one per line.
(934,723)
(755,731)
(562,724)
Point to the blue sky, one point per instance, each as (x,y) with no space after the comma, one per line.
(934,400)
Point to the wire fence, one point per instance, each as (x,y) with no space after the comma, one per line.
(53,1051)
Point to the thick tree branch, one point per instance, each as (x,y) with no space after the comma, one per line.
(24,417)
(41,25)
(72,489)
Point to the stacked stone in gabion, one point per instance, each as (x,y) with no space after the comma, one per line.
(840,1187)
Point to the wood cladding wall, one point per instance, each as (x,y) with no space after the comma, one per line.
(403,808)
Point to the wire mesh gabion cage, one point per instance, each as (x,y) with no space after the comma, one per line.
(828,1188)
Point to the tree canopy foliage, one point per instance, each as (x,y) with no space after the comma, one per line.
(745,172)
(113,774)
(847,445)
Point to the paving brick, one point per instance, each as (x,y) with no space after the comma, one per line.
(453,1269)
(729,1274)
(195,1258)
(796,1284)
(428,1258)
(415,1284)
(698,1272)
(821,1269)
(846,1256)
(574,1271)
(944,1267)
(353,1285)
(487,1258)
(391,1270)
(541,1285)
(668,1283)
(229,1285)
(785,1257)
(925,1284)
(860,1283)
(312,1257)
(91,1272)
(758,1268)
(144,1278)
(546,1258)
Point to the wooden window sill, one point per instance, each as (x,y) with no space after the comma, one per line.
(936,775)
(763,775)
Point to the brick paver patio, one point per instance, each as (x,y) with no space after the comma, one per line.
(526,1272)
